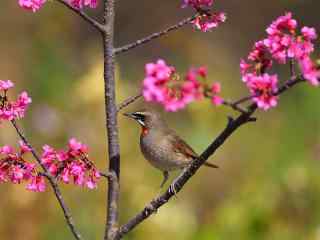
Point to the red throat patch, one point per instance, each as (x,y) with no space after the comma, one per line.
(144,131)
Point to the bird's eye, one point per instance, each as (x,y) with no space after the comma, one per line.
(139,116)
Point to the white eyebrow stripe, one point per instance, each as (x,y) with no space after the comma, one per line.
(141,122)
(141,113)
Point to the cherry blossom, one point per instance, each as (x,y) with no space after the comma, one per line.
(72,164)
(82,3)
(15,169)
(163,85)
(10,110)
(284,42)
(215,90)
(33,5)
(262,89)
(197,3)
(206,22)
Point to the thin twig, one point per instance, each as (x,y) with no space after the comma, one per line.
(128,101)
(154,36)
(181,180)
(105,175)
(113,191)
(234,106)
(53,183)
(244,99)
(291,66)
(84,16)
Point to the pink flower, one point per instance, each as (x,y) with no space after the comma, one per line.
(162,86)
(263,88)
(283,23)
(203,71)
(11,110)
(93,179)
(70,164)
(48,155)
(283,43)
(244,66)
(37,184)
(91,184)
(309,33)
(5,85)
(13,168)
(76,147)
(23,147)
(33,5)
(207,22)
(65,175)
(197,3)
(157,76)
(217,100)
(82,3)
(6,150)
(215,90)
(17,174)
(53,169)
(309,71)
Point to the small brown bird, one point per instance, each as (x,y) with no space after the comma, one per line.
(161,146)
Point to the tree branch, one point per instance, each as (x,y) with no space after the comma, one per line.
(111,122)
(187,173)
(234,106)
(84,16)
(154,35)
(53,183)
(128,101)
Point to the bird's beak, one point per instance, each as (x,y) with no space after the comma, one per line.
(135,117)
(130,115)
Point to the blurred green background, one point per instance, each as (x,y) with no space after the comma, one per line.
(268,184)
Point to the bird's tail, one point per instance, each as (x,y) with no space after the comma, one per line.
(210,165)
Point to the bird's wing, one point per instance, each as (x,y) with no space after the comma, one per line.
(180,146)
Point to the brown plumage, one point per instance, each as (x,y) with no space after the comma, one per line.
(161,146)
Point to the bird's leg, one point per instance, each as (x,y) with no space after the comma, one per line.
(165,178)
(172,187)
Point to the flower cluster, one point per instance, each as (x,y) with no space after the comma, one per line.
(82,3)
(282,44)
(262,88)
(215,98)
(35,5)
(197,3)
(71,164)
(163,85)
(206,20)
(14,169)
(10,110)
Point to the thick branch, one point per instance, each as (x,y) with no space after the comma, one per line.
(84,16)
(154,36)
(53,183)
(180,181)
(111,122)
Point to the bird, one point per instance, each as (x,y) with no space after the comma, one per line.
(161,145)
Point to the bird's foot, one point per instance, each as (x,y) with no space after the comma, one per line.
(173,190)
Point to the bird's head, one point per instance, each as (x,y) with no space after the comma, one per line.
(147,119)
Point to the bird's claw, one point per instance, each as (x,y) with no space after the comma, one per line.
(173,190)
